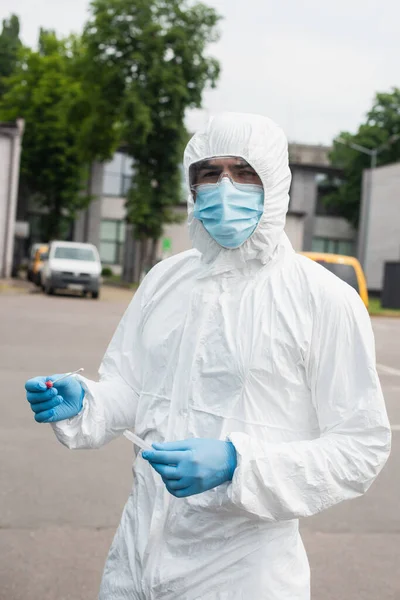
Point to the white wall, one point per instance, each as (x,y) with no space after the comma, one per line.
(5,143)
(10,151)
(113,207)
(87,225)
(303,198)
(295,230)
(382,227)
(178,233)
(334,228)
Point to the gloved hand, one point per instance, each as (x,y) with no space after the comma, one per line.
(193,466)
(57,403)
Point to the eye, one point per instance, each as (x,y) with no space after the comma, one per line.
(247,173)
(210,176)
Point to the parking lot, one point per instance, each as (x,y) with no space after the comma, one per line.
(59,509)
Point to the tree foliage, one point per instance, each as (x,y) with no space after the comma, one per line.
(378,131)
(128,79)
(43,91)
(10,45)
(146,64)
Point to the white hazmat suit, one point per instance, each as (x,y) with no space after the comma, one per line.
(257,345)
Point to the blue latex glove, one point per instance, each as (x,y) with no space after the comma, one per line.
(193,466)
(57,403)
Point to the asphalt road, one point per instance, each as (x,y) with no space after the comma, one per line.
(59,509)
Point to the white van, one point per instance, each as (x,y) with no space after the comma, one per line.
(72,266)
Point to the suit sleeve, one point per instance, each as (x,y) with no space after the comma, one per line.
(282,481)
(110,404)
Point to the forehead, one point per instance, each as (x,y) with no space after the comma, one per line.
(222,162)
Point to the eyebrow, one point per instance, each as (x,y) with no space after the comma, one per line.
(208,165)
(243,165)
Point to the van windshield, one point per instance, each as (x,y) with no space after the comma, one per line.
(74,253)
(345,272)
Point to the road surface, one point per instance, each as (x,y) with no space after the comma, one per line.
(59,509)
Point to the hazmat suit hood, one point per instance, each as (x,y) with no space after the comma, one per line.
(260,142)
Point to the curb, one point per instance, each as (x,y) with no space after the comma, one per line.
(383,316)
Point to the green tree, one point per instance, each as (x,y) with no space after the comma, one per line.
(378,132)
(10,45)
(146,64)
(43,91)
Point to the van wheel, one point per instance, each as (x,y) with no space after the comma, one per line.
(49,290)
(95,295)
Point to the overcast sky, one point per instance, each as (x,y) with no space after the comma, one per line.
(312,65)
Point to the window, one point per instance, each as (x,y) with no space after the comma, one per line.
(345,247)
(318,245)
(71,253)
(332,246)
(345,272)
(326,185)
(112,238)
(118,174)
(126,181)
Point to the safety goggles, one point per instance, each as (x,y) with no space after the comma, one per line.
(213,171)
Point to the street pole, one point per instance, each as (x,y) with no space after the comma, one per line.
(362,252)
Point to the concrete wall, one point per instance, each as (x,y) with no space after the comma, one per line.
(178,233)
(334,228)
(10,151)
(380,232)
(295,230)
(364,217)
(5,156)
(303,198)
(113,208)
(309,154)
(87,225)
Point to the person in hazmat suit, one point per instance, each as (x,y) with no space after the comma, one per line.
(251,371)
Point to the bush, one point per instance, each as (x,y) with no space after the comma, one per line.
(107,272)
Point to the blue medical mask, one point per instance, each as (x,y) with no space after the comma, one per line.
(229,211)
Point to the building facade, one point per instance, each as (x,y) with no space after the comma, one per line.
(312,178)
(379,239)
(10,151)
(309,226)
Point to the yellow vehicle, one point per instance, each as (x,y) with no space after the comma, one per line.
(346,268)
(32,254)
(38,262)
